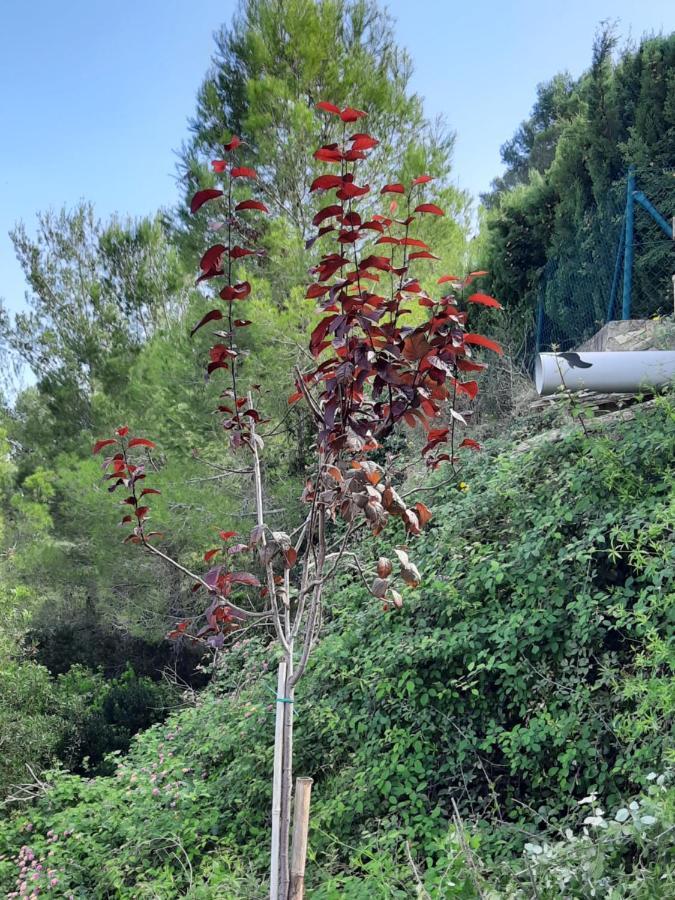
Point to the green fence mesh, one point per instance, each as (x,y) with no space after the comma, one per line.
(575,288)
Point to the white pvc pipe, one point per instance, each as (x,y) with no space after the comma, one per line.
(609,372)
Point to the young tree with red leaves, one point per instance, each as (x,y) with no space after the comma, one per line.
(387,354)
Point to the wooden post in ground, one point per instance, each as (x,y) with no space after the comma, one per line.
(276,784)
(303,791)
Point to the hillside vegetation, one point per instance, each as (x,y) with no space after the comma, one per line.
(508,731)
(528,674)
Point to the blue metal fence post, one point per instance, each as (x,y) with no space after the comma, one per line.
(540,322)
(628,248)
(617,274)
(663,224)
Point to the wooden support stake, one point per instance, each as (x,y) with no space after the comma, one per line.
(303,791)
(276,784)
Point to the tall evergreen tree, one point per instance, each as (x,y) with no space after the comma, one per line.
(274,63)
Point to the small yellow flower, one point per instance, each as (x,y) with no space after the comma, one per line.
(463,486)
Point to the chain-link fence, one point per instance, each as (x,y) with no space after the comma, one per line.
(583,288)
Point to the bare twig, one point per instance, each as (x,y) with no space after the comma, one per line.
(421,890)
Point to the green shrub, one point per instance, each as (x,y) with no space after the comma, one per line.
(77,718)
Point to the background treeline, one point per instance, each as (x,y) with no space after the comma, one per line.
(533,666)
(552,221)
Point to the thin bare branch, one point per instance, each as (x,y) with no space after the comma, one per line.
(176,565)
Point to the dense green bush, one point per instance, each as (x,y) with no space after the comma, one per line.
(77,718)
(532,668)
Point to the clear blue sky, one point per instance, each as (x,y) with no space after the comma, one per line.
(94,96)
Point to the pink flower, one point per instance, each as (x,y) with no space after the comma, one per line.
(54,882)
(155,791)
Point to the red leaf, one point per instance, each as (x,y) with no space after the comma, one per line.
(326,213)
(123,431)
(351,115)
(220,352)
(239,252)
(470,443)
(445,278)
(422,254)
(202,197)
(362,141)
(233,143)
(141,442)
(470,388)
(238,548)
(393,189)
(251,204)
(422,179)
(325,183)
(226,535)
(294,398)
(238,291)
(468,365)
(328,154)
(210,273)
(99,445)
(208,556)
(316,290)
(243,172)
(485,300)
(424,514)
(328,107)
(242,323)
(142,511)
(349,190)
(429,208)
(218,165)
(243,578)
(435,436)
(481,341)
(290,556)
(210,316)
(472,275)
(211,259)
(150,491)
(375,262)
